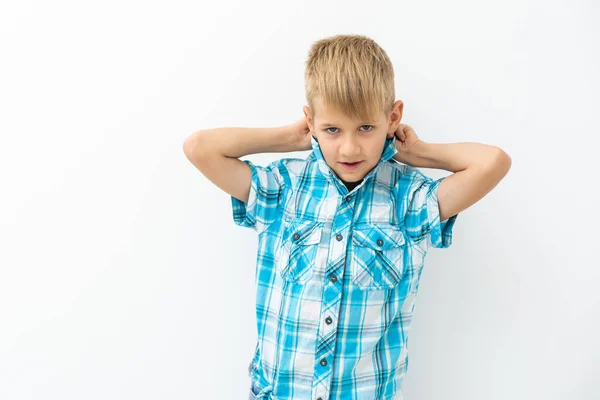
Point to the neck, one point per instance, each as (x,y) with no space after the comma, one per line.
(351,185)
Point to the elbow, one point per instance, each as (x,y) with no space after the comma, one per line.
(503,161)
(192,147)
(188,147)
(499,163)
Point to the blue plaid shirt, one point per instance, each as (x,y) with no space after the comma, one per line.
(337,274)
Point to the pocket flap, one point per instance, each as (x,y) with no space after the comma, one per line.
(304,232)
(378,236)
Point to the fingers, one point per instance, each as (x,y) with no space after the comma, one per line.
(400,134)
(404,132)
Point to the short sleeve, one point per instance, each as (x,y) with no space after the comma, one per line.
(264,199)
(422,213)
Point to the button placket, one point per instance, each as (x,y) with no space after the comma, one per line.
(331,301)
(328,325)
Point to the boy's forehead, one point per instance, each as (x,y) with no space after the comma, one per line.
(344,121)
(333,116)
(330,114)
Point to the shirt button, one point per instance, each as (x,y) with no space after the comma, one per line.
(339,237)
(333,278)
(380,242)
(324,362)
(296,236)
(328,320)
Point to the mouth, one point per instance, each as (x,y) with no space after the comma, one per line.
(351,166)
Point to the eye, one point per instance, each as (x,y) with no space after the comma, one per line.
(370,126)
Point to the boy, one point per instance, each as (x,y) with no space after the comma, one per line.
(343,233)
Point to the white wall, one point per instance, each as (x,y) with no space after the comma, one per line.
(122,274)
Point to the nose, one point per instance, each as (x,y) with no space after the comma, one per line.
(349,148)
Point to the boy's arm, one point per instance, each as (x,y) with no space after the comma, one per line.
(215,153)
(477,169)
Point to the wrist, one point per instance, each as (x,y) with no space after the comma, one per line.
(281,139)
(417,155)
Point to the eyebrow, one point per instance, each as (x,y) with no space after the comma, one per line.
(330,124)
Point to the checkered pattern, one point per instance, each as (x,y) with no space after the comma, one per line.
(337,274)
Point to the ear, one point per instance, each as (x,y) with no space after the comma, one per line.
(395,118)
(309,120)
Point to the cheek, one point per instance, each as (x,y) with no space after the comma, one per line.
(329,155)
(328,149)
(374,149)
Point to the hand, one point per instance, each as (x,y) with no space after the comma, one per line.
(407,145)
(407,137)
(302,135)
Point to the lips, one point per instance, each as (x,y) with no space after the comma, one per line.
(351,166)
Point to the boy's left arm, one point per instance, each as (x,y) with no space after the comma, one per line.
(477,168)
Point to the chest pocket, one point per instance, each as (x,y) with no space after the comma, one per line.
(295,258)
(377,258)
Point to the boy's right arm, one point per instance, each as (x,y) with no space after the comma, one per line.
(216,152)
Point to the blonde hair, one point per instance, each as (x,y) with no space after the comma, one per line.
(352,73)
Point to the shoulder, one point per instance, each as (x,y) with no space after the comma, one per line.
(294,166)
(406,176)
(282,171)
(410,181)
(282,166)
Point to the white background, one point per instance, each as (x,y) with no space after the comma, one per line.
(122,274)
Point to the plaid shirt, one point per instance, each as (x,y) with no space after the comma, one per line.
(337,274)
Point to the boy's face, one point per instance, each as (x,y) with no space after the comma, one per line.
(352,147)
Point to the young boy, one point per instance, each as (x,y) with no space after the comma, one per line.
(342,234)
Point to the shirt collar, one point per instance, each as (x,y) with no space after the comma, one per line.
(389,150)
